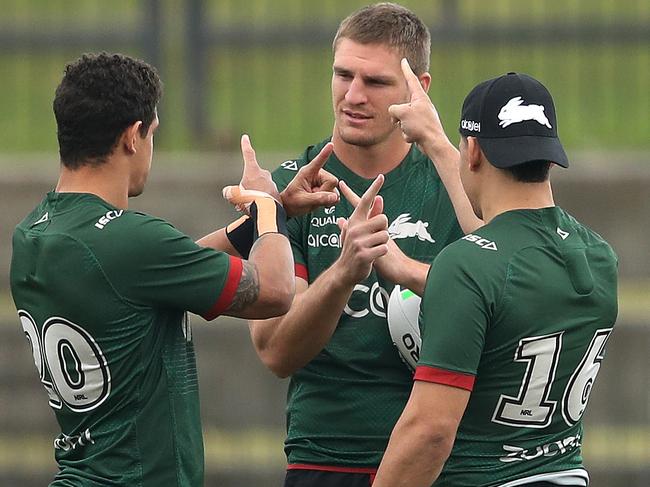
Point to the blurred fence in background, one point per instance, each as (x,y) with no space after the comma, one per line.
(263,66)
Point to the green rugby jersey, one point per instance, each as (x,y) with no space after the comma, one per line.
(101,294)
(519,313)
(343,405)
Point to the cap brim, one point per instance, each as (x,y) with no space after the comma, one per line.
(506,152)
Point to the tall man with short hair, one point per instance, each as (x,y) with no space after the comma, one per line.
(348,384)
(102,291)
(515,316)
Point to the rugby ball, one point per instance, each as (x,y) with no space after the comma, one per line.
(403,316)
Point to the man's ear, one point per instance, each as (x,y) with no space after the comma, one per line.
(425,81)
(475,155)
(130,137)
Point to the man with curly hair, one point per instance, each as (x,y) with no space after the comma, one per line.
(103,292)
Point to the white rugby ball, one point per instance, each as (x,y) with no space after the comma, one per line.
(403,315)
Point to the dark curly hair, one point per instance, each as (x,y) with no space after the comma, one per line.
(100,95)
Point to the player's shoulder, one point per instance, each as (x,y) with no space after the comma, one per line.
(418,161)
(134,227)
(286,171)
(133,240)
(589,236)
(477,252)
(128,234)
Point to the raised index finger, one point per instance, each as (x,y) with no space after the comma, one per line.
(350,195)
(412,81)
(319,161)
(248,153)
(365,203)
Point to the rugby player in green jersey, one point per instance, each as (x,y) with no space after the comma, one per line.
(348,385)
(515,316)
(102,291)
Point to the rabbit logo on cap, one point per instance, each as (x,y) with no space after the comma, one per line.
(515,111)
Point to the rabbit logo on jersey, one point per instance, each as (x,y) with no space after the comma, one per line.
(403,227)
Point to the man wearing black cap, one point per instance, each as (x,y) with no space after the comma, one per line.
(515,316)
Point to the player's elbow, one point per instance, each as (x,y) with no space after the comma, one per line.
(275,359)
(434,437)
(278,366)
(439,439)
(276,297)
(277,302)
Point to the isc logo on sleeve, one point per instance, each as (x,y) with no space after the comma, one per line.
(108,217)
(481,242)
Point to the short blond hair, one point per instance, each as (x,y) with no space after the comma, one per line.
(392,25)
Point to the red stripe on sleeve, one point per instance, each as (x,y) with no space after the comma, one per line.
(228,291)
(302,272)
(445,377)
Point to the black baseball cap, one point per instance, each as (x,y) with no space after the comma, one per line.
(513,118)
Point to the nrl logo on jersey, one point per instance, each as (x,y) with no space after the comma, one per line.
(481,242)
(403,227)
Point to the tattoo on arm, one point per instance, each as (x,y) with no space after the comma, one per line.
(248,290)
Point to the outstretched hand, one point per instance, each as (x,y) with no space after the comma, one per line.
(254,177)
(418,119)
(312,186)
(364,235)
(390,265)
(255,181)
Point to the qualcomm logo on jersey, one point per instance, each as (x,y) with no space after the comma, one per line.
(106,219)
(377,301)
(324,240)
(514,112)
(290,165)
(322,221)
(402,227)
(480,241)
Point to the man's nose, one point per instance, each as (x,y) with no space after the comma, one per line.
(356,94)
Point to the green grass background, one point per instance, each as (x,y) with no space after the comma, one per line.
(281,96)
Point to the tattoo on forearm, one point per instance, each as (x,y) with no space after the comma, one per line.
(249,288)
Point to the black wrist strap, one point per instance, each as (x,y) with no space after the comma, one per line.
(268,217)
(240,234)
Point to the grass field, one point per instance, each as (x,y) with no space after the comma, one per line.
(281,95)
